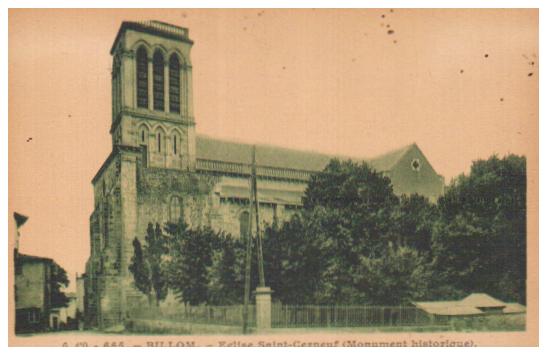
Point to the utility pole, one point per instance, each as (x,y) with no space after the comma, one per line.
(253,207)
(248,260)
(261,281)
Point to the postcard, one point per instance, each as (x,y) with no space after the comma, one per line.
(273,177)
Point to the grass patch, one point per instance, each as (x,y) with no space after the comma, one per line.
(499,322)
(146,326)
(490,323)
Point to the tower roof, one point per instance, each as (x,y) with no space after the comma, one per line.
(156,28)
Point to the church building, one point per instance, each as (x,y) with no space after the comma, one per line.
(160,169)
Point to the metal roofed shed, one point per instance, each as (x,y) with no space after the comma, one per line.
(473,305)
(482,300)
(448,308)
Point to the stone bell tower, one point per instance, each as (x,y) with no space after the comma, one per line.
(153,137)
(152,93)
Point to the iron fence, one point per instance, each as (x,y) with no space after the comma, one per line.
(324,316)
(306,316)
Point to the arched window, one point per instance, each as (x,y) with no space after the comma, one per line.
(143,135)
(176,143)
(174,84)
(158,81)
(175,209)
(106,220)
(244,224)
(159,142)
(142,78)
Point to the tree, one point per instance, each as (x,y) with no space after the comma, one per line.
(399,277)
(191,258)
(292,258)
(349,208)
(140,270)
(348,185)
(479,241)
(57,281)
(156,250)
(412,222)
(225,275)
(148,266)
(347,214)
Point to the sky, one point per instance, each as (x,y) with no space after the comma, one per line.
(462,84)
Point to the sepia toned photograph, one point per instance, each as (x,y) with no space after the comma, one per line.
(273,177)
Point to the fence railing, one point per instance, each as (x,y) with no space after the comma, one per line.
(324,316)
(218,315)
(295,316)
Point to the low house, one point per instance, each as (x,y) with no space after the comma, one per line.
(476,304)
(80,300)
(65,317)
(484,303)
(32,292)
(80,294)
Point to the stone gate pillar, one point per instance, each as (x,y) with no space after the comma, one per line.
(263,308)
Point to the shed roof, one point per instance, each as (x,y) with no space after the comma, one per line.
(447,308)
(473,304)
(481,300)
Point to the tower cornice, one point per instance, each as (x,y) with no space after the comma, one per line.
(154,116)
(156,28)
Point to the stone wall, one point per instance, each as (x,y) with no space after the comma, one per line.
(156,189)
(30,285)
(153,189)
(104,265)
(201,205)
(138,129)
